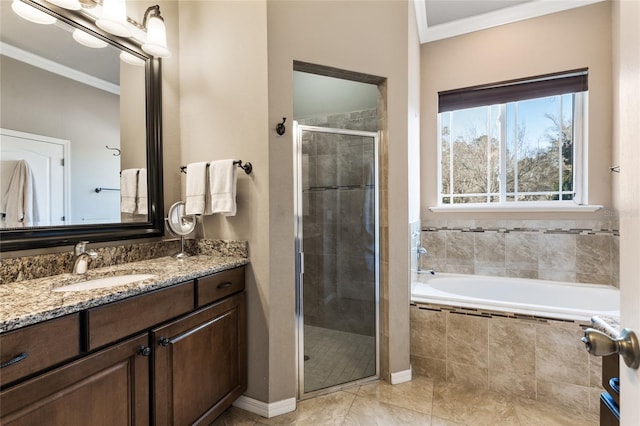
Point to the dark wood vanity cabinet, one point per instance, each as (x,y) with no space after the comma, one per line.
(610,398)
(106,324)
(199,364)
(165,357)
(109,387)
(40,346)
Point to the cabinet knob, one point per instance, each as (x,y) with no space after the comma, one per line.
(164,341)
(144,351)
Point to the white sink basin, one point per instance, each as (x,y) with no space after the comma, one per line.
(104,282)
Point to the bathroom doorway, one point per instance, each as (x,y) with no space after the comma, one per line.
(337,241)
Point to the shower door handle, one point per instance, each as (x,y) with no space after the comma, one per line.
(301,263)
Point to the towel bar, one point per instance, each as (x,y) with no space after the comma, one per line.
(98,190)
(247,167)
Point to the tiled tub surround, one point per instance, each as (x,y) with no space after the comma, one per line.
(608,325)
(571,251)
(535,358)
(31,301)
(45,265)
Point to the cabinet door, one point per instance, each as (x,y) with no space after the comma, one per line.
(200,363)
(109,387)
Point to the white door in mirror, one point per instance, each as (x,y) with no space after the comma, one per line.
(105,282)
(45,157)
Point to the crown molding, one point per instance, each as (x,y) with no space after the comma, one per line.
(57,68)
(492,19)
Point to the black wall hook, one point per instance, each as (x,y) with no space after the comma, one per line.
(280,129)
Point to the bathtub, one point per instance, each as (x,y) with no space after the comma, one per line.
(549,299)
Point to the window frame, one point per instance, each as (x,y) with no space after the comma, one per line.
(535,87)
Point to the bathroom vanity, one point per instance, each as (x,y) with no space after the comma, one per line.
(169,350)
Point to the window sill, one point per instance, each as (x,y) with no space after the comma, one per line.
(515,208)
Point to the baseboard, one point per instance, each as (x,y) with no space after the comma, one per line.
(265,409)
(401,377)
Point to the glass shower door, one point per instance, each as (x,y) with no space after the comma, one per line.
(337,242)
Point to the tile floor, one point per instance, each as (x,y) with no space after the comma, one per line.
(336,357)
(422,401)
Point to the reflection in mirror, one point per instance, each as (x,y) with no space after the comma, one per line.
(84,102)
(72,118)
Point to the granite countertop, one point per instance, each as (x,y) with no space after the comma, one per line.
(28,302)
(608,325)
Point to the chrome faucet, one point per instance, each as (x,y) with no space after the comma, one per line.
(420,251)
(82,258)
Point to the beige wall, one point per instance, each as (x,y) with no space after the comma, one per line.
(223,114)
(223,106)
(413,80)
(366,37)
(563,41)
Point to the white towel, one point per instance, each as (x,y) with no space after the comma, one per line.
(222,187)
(19,201)
(196,188)
(142,201)
(128,190)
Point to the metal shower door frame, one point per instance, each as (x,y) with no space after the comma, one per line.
(298,129)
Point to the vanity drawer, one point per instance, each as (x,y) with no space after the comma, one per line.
(215,287)
(39,346)
(108,323)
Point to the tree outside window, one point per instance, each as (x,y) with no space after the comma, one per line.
(516,151)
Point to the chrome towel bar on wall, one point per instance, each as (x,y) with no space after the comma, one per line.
(247,167)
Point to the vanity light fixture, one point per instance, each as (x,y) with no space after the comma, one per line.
(114,20)
(156,44)
(110,16)
(32,14)
(88,40)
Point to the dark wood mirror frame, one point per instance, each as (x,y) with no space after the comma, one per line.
(40,237)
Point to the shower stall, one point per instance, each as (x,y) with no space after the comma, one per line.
(337,260)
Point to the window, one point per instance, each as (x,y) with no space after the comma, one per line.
(513,142)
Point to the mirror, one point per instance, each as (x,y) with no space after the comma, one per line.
(81,133)
(180,224)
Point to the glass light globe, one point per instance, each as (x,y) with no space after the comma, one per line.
(88,40)
(156,44)
(131,59)
(114,18)
(30,13)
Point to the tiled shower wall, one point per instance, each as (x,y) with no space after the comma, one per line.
(338,224)
(366,120)
(560,250)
